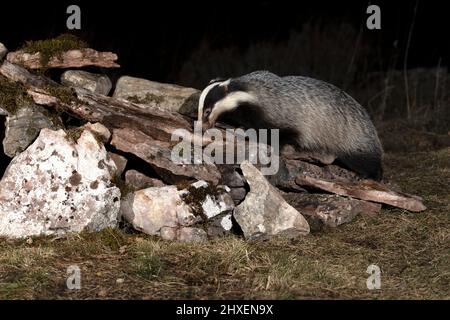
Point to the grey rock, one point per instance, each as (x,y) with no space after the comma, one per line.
(59,185)
(22,127)
(97,83)
(264,213)
(154,94)
(238,194)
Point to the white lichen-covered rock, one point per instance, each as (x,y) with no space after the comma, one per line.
(196,213)
(97,83)
(264,213)
(3,51)
(155,94)
(61,183)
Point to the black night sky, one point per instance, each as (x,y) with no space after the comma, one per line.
(155,38)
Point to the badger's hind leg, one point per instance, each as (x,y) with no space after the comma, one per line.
(367,165)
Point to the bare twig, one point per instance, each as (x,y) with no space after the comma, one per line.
(436,87)
(405,62)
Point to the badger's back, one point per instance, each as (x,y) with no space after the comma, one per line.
(321,117)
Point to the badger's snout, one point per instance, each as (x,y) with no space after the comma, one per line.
(206,120)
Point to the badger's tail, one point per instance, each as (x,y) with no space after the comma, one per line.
(367,165)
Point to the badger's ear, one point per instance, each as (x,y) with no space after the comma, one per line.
(216,80)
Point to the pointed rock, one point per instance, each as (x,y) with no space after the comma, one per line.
(264,213)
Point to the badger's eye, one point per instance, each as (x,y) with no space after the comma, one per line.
(207,112)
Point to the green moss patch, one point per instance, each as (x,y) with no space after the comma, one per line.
(53,47)
(64,94)
(12,95)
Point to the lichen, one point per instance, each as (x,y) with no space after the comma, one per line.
(197,196)
(148,99)
(12,95)
(51,48)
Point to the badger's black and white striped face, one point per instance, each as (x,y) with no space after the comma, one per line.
(220,97)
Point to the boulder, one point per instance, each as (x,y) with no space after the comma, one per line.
(23,126)
(97,83)
(264,213)
(61,183)
(196,213)
(154,94)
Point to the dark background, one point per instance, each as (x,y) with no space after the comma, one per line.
(155,39)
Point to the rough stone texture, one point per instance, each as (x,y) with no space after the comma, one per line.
(69,59)
(22,127)
(59,184)
(154,94)
(264,213)
(158,154)
(238,194)
(329,209)
(230,177)
(102,133)
(23,76)
(3,51)
(120,162)
(191,214)
(97,83)
(155,208)
(138,180)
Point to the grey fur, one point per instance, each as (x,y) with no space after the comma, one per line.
(326,120)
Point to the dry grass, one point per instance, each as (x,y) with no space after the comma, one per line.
(412,250)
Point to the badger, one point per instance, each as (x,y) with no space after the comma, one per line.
(312,115)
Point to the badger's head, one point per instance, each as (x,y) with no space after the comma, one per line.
(221,96)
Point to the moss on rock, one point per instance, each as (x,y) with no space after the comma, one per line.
(12,95)
(148,99)
(64,94)
(55,47)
